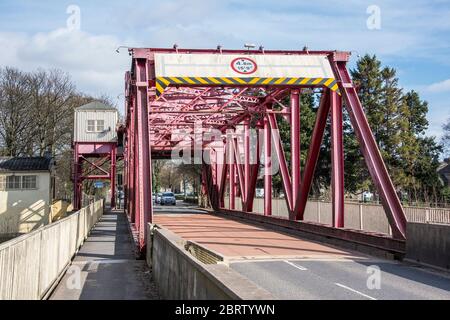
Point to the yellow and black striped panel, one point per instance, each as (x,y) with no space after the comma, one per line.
(163,82)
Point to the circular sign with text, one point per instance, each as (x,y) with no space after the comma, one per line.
(244,65)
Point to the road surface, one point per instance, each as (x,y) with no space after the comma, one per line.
(295,268)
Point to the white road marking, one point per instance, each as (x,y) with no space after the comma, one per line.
(355,291)
(295,266)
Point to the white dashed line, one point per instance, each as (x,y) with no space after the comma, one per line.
(295,266)
(355,291)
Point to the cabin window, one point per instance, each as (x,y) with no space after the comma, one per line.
(13,182)
(91,125)
(95,125)
(100,125)
(29,182)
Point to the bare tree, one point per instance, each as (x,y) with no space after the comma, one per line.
(15,117)
(53,103)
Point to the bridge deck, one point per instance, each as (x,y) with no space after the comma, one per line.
(293,268)
(238,240)
(106,266)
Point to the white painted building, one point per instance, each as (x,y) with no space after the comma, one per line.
(26,193)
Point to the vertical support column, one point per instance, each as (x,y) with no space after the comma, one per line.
(132,165)
(113,176)
(246,157)
(267,168)
(144,184)
(254,167)
(136,172)
(232,173)
(76,174)
(337,161)
(295,144)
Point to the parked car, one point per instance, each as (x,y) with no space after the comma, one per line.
(168,198)
(153,197)
(158,198)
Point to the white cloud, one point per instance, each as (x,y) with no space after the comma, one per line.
(441,86)
(91,60)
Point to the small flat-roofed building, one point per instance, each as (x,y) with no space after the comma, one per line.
(26,193)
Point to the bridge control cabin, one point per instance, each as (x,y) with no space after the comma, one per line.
(95,146)
(95,122)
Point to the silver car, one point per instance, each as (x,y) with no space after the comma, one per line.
(168,198)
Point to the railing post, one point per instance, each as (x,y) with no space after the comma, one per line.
(318,210)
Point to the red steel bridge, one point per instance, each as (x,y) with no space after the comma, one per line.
(205,104)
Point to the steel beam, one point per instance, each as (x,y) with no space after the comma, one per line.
(113,177)
(295,143)
(246,158)
(372,156)
(337,161)
(313,155)
(287,185)
(267,168)
(144,182)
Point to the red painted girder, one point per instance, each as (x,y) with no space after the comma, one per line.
(239,168)
(377,169)
(285,177)
(337,161)
(313,155)
(295,143)
(147,53)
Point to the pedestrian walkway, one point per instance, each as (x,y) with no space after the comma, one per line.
(105,266)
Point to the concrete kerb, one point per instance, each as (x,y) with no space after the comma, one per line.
(179,275)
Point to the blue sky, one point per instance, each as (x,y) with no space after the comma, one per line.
(413,38)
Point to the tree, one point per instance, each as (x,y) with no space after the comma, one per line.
(52,106)
(367,77)
(446,138)
(15,116)
(157,166)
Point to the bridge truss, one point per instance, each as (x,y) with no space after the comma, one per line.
(175,98)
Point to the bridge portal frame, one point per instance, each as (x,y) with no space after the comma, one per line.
(84,153)
(155,107)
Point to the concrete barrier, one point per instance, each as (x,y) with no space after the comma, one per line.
(31,264)
(428,244)
(179,275)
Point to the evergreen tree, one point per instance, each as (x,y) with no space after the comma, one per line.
(446,138)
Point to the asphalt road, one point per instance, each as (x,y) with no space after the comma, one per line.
(179,208)
(338,279)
